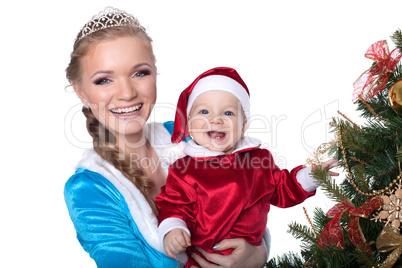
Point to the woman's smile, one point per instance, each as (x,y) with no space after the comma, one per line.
(127,112)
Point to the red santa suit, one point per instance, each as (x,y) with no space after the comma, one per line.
(214,196)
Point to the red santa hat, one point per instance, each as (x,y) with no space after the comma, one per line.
(220,78)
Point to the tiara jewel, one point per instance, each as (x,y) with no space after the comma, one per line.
(110,17)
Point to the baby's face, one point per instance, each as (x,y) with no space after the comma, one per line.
(217,121)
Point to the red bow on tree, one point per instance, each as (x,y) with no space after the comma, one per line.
(376,78)
(333,234)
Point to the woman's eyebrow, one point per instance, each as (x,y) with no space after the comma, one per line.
(141,64)
(101,72)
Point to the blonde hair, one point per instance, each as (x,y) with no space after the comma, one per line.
(104,142)
(82,46)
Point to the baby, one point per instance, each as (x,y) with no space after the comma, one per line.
(224,186)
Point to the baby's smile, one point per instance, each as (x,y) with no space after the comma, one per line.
(216,135)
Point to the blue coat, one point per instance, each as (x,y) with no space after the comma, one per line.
(114,223)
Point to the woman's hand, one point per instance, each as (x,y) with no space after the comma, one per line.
(328,165)
(244,255)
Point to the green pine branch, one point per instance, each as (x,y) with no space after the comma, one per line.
(399,155)
(329,257)
(301,232)
(397,75)
(396,37)
(320,219)
(289,260)
(361,179)
(328,185)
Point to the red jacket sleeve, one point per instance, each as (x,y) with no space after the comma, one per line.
(178,197)
(288,191)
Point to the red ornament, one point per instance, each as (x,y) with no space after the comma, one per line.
(333,234)
(374,80)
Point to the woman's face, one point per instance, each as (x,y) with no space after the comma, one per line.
(119,84)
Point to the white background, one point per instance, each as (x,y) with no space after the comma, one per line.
(299,59)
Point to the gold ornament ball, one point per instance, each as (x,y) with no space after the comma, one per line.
(395,97)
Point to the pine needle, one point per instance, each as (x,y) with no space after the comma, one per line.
(302,232)
(348,119)
(328,185)
(397,38)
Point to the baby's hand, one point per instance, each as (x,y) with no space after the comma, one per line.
(328,165)
(176,241)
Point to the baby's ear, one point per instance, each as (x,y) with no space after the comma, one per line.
(244,127)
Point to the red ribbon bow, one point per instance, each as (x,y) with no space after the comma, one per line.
(376,78)
(333,234)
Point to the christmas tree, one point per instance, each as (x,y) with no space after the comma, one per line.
(363,229)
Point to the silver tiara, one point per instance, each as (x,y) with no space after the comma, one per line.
(110,17)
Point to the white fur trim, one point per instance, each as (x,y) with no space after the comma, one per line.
(307,182)
(223,83)
(140,210)
(171,153)
(159,138)
(169,224)
(246,143)
(267,239)
(194,150)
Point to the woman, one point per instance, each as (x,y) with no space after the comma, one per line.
(111,196)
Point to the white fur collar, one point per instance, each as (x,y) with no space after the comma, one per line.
(194,150)
(167,151)
(140,210)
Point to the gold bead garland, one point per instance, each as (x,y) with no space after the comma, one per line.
(352,181)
